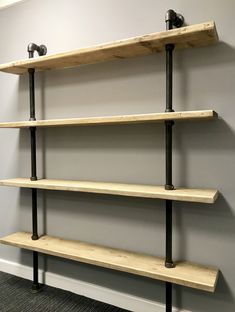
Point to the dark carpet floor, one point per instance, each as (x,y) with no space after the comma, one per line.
(15,296)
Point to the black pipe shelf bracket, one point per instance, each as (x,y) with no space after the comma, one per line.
(172,20)
(42,50)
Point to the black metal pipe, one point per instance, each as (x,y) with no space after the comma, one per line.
(168,140)
(31,71)
(35,285)
(168,153)
(169,124)
(171,19)
(168,297)
(34,215)
(33,154)
(169,65)
(168,260)
(42,50)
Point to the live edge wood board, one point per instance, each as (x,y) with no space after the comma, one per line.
(134,190)
(186,37)
(184,273)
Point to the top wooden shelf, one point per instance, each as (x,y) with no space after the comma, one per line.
(185,37)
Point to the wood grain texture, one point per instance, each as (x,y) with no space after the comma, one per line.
(134,190)
(184,273)
(111,120)
(186,37)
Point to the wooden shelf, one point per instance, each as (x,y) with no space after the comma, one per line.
(184,273)
(186,37)
(111,120)
(135,190)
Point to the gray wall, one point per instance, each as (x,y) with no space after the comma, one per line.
(203,151)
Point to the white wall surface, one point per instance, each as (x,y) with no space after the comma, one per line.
(204,152)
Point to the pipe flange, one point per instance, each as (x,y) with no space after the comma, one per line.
(41,49)
(176,19)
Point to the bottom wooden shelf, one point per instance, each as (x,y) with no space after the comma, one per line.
(184,273)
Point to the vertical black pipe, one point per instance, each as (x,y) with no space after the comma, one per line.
(35,286)
(34,215)
(33,154)
(42,50)
(176,20)
(168,152)
(168,166)
(168,297)
(31,71)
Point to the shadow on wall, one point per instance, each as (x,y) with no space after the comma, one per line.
(100,89)
(211,59)
(219,53)
(214,224)
(201,137)
(223,298)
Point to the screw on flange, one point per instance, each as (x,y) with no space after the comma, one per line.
(176,19)
(41,49)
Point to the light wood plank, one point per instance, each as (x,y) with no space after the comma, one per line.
(135,190)
(184,273)
(190,36)
(112,120)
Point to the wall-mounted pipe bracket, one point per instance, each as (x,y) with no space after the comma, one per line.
(176,19)
(41,49)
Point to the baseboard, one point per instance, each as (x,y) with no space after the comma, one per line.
(116,298)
